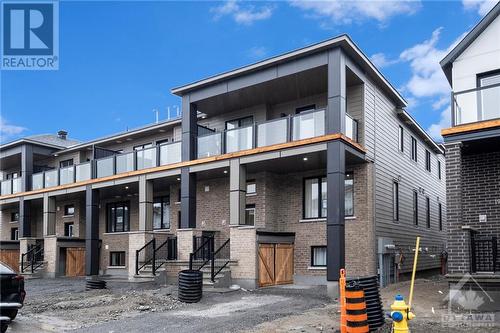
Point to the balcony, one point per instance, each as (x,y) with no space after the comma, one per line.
(474,105)
(302,126)
(10,186)
(107,166)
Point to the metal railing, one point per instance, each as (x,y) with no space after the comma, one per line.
(163,154)
(292,128)
(156,256)
(222,256)
(202,252)
(477,104)
(32,259)
(148,255)
(484,254)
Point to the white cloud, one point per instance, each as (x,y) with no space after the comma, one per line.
(440,102)
(482,6)
(242,14)
(444,122)
(345,12)
(257,52)
(380,60)
(8,131)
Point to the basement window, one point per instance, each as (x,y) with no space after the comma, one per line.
(318,256)
(117,258)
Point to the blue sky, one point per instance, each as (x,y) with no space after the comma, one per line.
(119,59)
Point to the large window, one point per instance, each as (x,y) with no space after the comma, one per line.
(315,197)
(427,160)
(318,256)
(395,199)
(240,122)
(489,106)
(118,217)
(415,208)
(250,215)
(161,213)
(117,258)
(428,212)
(414,155)
(401,139)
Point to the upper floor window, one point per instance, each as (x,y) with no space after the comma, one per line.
(428,212)
(401,139)
(144,146)
(12,175)
(305,108)
(395,198)
(118,217)
(14,216)
(439,169)
(427,160)
(414,149)
(315,197)
(240,122)
(66,163)
(489,101)
(161,213)
(440,216)
(69,210)
(415,207)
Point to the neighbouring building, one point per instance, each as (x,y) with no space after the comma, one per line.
(282,171)
(473,157)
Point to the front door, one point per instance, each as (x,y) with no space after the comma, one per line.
(275,264)
(75,261)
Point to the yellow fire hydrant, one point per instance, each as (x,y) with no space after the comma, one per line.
(400,315)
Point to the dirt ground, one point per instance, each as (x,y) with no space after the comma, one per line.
(62,305)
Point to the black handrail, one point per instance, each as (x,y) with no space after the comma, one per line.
(36,252)
(199,249)
(147,260)
(171,244)
(226,247)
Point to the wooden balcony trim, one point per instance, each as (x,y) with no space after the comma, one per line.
(479,126)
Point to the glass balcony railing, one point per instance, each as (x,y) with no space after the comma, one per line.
(51,178)
(11,186)
(239,139)
(105,167)
(67,175)
(124,162)
(146,158)
(170,153)
(16,185)
(6,187)
(308,125)
(83,171)
(210,145)
(351,128)
(477,104)
(273,132)
(37,181)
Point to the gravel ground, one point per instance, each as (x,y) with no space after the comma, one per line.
(62,305)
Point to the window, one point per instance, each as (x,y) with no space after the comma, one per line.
(144,146)
(250,215)
(415,208)
(414,149)
(118,217)
(318,256)
(401,139)
(428,212)
(69,210)
(311,107)
(240,122)
(12,175)
(428,160)
(14,217)
(179,194)
(315,197)
(66,163)
(14,234)
(439,169)
(68,229)
(251,187)
(179,219)
(395,199)
(117,258)
(161,213)
(440,212)
(160,142)
(488,104)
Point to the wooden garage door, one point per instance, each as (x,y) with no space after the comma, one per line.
(10,258)
(75,261)
(275,264)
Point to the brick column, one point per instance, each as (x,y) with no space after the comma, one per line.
(184,243)
(51,256)
(237,192)
(458,239)
(243,247)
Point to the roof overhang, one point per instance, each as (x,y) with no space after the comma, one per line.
(423,134)
(447,62)
(28,141)
(342,41)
